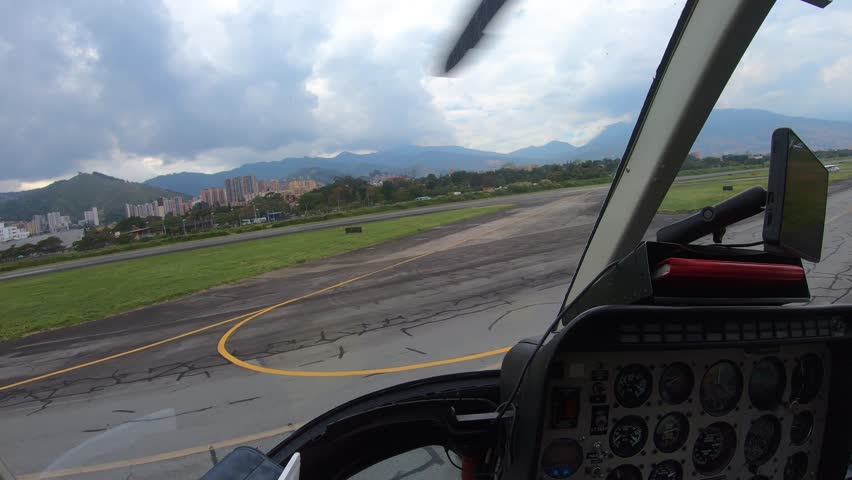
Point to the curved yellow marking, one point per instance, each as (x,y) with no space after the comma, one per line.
(255,314)
(223,350)
(352,373)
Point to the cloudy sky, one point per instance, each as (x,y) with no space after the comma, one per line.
(139,88)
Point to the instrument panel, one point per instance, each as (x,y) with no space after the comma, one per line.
(713,414)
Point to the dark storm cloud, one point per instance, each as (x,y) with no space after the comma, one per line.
(84,78)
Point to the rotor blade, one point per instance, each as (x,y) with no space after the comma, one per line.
(473,32)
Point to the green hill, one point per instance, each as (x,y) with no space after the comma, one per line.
(82,192)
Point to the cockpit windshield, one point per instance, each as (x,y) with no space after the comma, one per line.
(221,219)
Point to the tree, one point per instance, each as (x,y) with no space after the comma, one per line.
(200,211)
(311,200)
(94,238)
(129,223)
(173,223)
(387,189)
(401,194)
(431,181)
(50,245)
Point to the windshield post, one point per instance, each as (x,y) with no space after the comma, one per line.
(708,43)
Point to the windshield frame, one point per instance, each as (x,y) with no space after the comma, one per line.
(708,42)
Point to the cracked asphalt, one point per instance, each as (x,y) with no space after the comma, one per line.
(171,410)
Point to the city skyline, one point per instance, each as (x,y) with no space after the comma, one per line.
(237,191)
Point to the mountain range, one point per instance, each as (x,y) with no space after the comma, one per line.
(81,192)
(726,131)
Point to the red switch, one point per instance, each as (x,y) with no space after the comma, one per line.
(565,407)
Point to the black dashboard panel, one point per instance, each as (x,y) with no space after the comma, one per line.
(710,413)
(725,392)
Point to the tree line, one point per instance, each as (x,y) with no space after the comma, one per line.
(42,247)
(346,193)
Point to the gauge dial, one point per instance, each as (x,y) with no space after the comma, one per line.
(721,388)
(625,472)
(633,385)
(801,428)
(807,378)
(628,436)
(796,467)
(762,440)
(562,458)
(671,432)
(667,470)
(767,383)
(676,383)
(714,448)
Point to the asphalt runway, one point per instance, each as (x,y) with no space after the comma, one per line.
(173,406)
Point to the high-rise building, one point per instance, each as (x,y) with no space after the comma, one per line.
(37,225)
(241,189)
(174,205)
(91,216)
(143,210)
(214,196)
(301,186)
(180,207)
(54,222)
(12,232)
(274,186)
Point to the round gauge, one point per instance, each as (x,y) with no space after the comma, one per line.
(767,383)
(714,448)
(721,388)
(801,428)
(676,383)
(807,378)
(633,385)
(796,467)
(625,472)
(671,432)
(562,458)
(667,470)
(762,440)
(628,436)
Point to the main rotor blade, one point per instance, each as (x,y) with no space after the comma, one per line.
(473,32)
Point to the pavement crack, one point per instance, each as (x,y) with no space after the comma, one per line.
(156,419)
(311,363)
(243,400)
(416,351)
(407,330)
(509,312)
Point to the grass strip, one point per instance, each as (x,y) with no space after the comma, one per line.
(692,196)
(59,299)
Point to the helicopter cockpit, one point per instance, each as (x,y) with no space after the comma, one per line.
(669,359)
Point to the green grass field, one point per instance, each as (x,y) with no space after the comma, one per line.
(694,195)
(65,298)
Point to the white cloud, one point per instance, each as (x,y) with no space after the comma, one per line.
(798,63)
(219,83)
